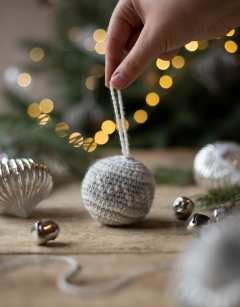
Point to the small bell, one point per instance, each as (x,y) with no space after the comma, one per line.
(222,213)
(196,222)
(183,207)
(44,230)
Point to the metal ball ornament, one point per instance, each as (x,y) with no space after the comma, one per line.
(196,222)
(222,213)
(183,207)
(44,231)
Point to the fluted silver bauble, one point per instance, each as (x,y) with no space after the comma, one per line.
(222,213)
(183,207)
(196,222)
(23,184)
(44,231)
(217,165)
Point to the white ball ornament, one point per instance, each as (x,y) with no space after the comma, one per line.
(118,190)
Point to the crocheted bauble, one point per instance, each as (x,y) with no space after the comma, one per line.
(118,191)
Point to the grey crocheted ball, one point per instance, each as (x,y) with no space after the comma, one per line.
(118,191)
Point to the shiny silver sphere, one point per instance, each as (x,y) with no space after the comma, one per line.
(196,222)
(183,207)
(44,231)
(222,213)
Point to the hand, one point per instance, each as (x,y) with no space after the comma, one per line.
(150,29)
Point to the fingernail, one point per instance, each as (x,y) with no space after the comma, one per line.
(119,81)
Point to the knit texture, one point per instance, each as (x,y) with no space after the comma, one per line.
(118,190)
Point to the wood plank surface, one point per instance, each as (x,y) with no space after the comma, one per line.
(103,252)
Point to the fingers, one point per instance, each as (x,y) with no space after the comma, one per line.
(140,56)
(123,21)
(167,56)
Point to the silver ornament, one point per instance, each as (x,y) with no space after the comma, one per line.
(217,165)
(196,222)
(222,213)
(23,184)
(44,231)
(183,207)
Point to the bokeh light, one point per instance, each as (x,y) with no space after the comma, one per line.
(101,138)
(178,62)
(46,105)
(89,44)
(231,46)
(98,70)
(202,45)
(62,129)
(43,119)
(91,83)
(121,125)
(36,54)
(34,110)
(75,34)
(76,139)
(152,99)
(24,79)
(192,46)
(165,81)
(89,145)
(231,33)
(108,126)
(140,116)
(100,35)
(163,65)
(100,48)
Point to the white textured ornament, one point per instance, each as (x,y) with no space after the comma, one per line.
(217,165)
(23,184)
(118,190)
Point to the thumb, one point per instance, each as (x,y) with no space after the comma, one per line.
(141,55)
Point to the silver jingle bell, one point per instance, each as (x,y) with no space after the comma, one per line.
(222,213)
(196,222)
(44,231)
(183,207)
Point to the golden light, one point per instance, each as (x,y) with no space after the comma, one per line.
(231,33)
(98,70)
(34,110)
(91,83)
(76,139)
(121,124)
(178,62)
(62,129)
(140,116)
(24,79)
(36,54)
(163,65)
(108,126)
(202,45)
(100,35)
(43,119)
(152,99)
(192,46)
(89,44)
(165,81)
(101,138)
(100,48)
(231,46)
(89,145)
(75,34)
(46,105)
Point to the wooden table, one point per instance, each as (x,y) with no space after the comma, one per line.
(103,252)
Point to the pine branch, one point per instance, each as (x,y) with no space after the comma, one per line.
(216,197)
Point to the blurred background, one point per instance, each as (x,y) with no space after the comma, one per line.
(54,105)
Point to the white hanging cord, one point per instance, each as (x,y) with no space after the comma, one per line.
(121,130)
(63,280)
